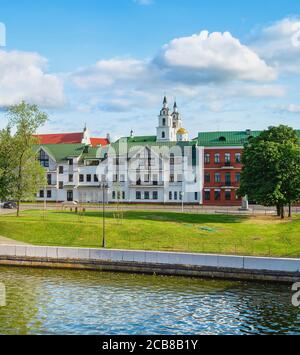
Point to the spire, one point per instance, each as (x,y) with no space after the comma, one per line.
(175,106)
(165,103)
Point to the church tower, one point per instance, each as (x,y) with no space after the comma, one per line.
(165,130)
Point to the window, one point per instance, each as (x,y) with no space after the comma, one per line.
(96,179)
(115,178)
(123,195)
(81,178)
(114,195)
(155,195)
(207,195)
(228,179)
(122,178)
(146,178)
(238,177)
(217,177)
(222,139)
(61,185)
(196,196)
(170,195)
(217,158)
(227,158)
(43,159)
(49,194)
(155,180)
(238,158)
(217,195)
(164,122)
(71,177)
(138,195)
(163,135)
(41,193)
(207,177)
(172,159)
(119,195)
(70,161)
(207,159)
(180,195)
(89,178)
(227,195)
(60,169)
(147,195)
(49,182)
(175,196)
(179,177)
(172,178)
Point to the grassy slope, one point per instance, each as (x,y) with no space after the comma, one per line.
(159,231)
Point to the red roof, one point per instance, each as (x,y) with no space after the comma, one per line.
(62,138)
(99,141)
(69,138)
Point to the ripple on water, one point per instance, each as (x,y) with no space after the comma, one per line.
(83,302)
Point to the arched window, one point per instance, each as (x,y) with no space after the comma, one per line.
(164,121)
(163,135)
(222,139)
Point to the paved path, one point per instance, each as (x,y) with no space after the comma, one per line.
(8,241)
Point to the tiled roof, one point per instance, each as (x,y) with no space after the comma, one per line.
(229,138)
(62,152)
(61,138)
(226,139)
(99,141)
(68,138)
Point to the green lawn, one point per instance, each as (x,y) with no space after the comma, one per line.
(239,235)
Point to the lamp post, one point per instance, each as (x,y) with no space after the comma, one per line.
(182,201)
(104,186)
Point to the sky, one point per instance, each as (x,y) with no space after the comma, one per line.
(231,65)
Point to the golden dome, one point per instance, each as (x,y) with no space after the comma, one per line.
(182,131)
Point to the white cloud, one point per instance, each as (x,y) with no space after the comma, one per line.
(279,44)
(106,73)
(22,77)
(212,57)
(290,108)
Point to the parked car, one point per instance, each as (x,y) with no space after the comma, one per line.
(9,205)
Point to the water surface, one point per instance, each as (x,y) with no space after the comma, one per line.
(86,302)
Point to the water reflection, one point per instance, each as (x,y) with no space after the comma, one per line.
(83,302)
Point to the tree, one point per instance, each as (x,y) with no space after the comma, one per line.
(271,173)
(6,164)
(27,175)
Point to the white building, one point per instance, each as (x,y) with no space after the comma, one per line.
(166,168)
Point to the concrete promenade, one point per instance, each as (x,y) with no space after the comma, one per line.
(152,262)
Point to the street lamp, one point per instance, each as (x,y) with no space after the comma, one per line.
(182,201)
(104,187)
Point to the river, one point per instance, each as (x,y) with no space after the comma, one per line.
(40,301)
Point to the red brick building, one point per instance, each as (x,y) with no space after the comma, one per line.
(222,165)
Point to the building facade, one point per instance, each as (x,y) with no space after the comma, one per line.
(164,168)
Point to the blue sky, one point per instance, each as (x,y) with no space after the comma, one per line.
(109,62)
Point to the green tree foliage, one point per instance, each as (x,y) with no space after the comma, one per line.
(25,175)
(271,173)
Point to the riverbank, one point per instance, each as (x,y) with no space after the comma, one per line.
(264,236)
(160,263)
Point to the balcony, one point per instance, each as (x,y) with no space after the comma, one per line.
(146,184)
(222,184)
(228,165)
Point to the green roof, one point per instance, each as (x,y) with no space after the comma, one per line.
(226,139)
(63,151)
(139,139)
(223,139)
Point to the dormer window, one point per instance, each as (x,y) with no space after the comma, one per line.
(222,139)
(43,159)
